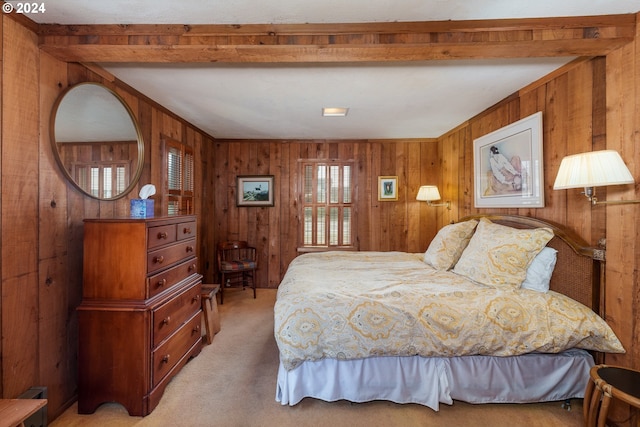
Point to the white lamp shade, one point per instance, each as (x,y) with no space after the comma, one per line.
(428,193)
(592,169)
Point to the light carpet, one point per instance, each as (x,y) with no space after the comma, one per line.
(232,383)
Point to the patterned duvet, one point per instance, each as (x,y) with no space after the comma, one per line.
(351,305)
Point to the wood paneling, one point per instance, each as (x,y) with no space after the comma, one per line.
(621,220)
(388,225)
(42,214)
(59,296)
(575,119)
(19,209)
(591,104)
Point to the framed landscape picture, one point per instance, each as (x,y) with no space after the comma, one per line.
(255,190)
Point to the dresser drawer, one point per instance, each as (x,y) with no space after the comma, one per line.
(161,235)
(171,315)
(170,352)
(166,279)
(186,230)
(164,257)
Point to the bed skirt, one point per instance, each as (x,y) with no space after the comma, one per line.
(434,380)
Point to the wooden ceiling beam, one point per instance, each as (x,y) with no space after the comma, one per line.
(395,41)
(330,53)
(600,21)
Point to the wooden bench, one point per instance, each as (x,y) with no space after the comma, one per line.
(13,412)
(210,316)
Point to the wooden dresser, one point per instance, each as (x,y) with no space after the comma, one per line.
(139,320)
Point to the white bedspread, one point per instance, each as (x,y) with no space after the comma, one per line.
(354,305)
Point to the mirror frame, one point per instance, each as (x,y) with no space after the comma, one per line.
(135,177)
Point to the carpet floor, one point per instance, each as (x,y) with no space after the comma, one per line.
(232,383)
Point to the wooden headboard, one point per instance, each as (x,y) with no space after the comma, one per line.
(577,271)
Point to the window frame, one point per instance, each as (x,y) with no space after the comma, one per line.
(181,197)
(327,204)
(81,173)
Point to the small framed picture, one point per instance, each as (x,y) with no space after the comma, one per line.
(255,190)
(387,188)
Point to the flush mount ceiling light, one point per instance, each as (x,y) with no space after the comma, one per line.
(334,111)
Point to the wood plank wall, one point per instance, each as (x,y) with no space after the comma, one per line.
(42,214)
(19,155)
(589,106)
(592,105)
(403,225)
(573,106)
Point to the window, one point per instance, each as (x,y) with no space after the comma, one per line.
(327,204)
(180,177)
(102,179)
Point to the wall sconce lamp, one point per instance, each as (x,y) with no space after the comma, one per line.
(430,193)
(594,169)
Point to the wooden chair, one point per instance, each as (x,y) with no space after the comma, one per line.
(608,383)
(237,264)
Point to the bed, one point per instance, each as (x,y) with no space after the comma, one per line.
(498,309)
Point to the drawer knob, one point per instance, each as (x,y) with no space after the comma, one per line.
(165,358)
(189,248)
(162,235)
(162,282)
(196,298)
(196,329)
(192,267)
(159,259)
(166,320)
(186,230)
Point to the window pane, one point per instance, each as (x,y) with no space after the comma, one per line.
(308,226)
(120,179)
(95,181)
(174,169)
(174,207)
(346,184)
(322,184)
(327,194)
(346,226)
(82,177)
(321,227)
(188,171)
(334,181)
(333,226)
(308,184)
(108,184)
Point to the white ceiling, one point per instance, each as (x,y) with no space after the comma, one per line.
(385,100)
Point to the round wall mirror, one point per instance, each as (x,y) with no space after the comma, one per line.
(97,141)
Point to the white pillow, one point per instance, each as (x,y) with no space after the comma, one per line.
(540,271)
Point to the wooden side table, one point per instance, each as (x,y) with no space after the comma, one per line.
(609,382)
(13,412)
(210,316)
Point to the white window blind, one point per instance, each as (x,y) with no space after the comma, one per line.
(326,204)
